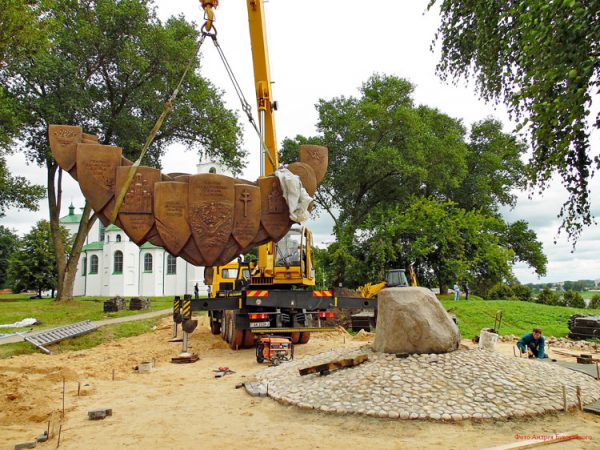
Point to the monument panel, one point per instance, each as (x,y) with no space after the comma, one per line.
(96,167)
(63,143)
(317,157)
(275,215)
(211,202)
(247,208)
(171,211)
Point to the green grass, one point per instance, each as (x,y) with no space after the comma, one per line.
(517,317)
(52,313)
(97,337)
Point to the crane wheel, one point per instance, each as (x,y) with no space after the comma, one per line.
(235,337)
(224,327)
(304,337)
(249,339)
(215,327)
(295,336)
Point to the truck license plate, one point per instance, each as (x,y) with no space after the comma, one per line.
(260,324)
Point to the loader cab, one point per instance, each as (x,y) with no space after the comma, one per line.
(395,278)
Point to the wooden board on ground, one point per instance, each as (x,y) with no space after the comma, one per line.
(334,365)
(574,355)
(185,359)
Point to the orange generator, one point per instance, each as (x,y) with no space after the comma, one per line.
(274,349)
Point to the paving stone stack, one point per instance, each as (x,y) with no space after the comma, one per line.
(114,304)
(139,303)
(584,327)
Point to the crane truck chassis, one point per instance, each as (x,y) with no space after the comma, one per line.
(239,316)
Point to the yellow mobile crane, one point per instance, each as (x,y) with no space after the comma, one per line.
(275,292)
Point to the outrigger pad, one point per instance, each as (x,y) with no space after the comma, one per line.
(189,325)
(206,219)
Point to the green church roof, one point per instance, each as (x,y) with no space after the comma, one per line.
(112,227)
(150,245)
(71,217)
(93,246)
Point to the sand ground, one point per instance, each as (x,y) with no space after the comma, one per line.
(186,407)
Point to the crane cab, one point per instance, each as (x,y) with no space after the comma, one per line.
(293,265)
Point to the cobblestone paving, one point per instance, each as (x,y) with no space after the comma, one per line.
(466,384)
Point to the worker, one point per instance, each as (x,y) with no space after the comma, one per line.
(196,291)
(456,291)
(533,344)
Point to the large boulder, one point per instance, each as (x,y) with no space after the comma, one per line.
(412,320)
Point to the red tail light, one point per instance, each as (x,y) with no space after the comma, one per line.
(326,314)
(256,316)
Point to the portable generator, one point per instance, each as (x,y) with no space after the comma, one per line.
(274,349)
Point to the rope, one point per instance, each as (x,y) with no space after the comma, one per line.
(245,105)
(166,110)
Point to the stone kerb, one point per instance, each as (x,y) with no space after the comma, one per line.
(412,320)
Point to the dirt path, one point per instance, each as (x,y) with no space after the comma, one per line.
(185,407)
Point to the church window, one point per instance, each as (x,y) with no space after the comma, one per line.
(171,265)
(101,232)
(118,262)
(93,264)
(147,262)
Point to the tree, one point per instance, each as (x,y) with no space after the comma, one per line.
(382,149)
(110,66)
(8,244)
(547,297)
(444,242)
(573,299)
(33,264)
(541,59)
(595,302)
(17,192)
(522,292)
(20,31)
(494,167)
(525,246)
(501,292)
(405,185)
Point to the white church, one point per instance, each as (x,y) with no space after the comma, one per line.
(111,264)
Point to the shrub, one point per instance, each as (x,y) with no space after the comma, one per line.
(501,292)
(573,299)
(547,297)
(522,292)
(595,302)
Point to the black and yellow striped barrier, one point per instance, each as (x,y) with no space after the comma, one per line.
(176,316)
(186,309)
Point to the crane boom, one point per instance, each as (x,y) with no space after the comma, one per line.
(262,80)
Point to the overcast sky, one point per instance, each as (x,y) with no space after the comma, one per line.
(323,49)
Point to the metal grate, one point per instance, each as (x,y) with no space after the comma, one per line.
(58,334)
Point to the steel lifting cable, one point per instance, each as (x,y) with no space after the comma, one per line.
(245,105)
(166,110)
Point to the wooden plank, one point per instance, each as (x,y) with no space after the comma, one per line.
(334,365)
(562,352)
(531,443)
